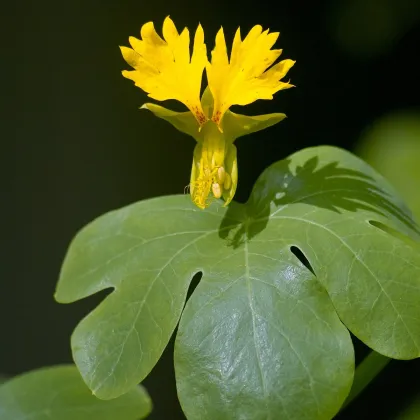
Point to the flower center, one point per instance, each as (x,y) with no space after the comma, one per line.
(211,173)
(211,179)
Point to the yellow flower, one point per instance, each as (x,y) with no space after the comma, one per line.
(165,70)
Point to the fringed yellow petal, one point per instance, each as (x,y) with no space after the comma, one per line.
(244,78)
(219,55)
(132,57)
(163,67)
(236,46)
(150,36)
(169,31)
(216,72)
(278,71)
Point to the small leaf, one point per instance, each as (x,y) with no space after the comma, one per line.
(59,393)
(323,241)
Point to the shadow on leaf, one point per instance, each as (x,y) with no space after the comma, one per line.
(329,187)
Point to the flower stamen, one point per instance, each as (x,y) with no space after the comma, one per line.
(208,181)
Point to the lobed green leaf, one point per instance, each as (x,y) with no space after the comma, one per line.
(323,241)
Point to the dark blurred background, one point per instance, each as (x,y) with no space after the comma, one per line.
(81,147)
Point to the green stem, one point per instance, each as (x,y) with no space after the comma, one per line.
(370,367)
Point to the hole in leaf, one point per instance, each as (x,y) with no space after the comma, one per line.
(361,350)
(167,404)
(301,257)
(194,283)
(395,233)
